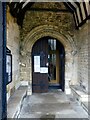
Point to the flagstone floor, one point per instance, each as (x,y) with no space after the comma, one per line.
(54,104)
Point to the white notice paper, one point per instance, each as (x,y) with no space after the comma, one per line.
(36,63)
(44,70)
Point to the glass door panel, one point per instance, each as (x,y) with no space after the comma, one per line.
(53,75)
(52,67)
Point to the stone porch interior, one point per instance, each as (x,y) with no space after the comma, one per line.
(54,104)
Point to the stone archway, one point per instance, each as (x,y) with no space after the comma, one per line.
(65,39)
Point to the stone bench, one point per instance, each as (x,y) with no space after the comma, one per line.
(86,106)
(15,102)
(81,96)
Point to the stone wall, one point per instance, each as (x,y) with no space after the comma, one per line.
(32,19)
(82,38)
(89,58)
(13,37)
(25,69)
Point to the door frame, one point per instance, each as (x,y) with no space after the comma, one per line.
(60,76)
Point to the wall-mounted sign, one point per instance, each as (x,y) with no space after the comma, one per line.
(44,70)
(9,67)
(36,63)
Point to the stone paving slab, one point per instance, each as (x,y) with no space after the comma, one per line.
(56,105)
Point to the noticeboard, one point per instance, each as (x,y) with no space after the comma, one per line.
(9,67)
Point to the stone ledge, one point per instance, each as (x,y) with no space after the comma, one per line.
(86,106)
(15,102)
(79,94)
(82,97)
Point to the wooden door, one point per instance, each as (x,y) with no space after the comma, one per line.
(40,76)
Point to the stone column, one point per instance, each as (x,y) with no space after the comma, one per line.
(68,72)
(29,91)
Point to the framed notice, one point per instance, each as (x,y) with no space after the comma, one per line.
(9,68)
(36,63)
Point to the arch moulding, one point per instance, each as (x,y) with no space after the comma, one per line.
(47,30)
(65,39)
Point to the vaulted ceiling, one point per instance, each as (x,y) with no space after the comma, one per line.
(80,10)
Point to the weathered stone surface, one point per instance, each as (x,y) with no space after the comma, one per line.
(52,104)
(36,18)
(82,40)
(13,37)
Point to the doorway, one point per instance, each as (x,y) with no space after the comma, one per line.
(48,63)
(53,62)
